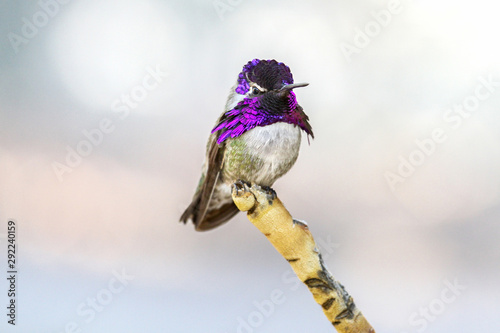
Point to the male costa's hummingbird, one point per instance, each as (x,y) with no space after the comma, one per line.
(256,139)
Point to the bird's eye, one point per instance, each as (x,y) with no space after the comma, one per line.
(255,91)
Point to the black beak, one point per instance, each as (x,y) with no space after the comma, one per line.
(289,87)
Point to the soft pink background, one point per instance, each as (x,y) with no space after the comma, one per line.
(118,209)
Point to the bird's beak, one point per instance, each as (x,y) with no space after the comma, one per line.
(289,87)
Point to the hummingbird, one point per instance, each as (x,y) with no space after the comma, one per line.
(255,140)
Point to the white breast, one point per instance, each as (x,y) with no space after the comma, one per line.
(276,141)
(277,145)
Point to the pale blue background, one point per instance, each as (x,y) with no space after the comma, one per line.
(118,210)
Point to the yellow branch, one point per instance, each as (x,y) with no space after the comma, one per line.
(295,243)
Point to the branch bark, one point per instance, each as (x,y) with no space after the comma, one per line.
(295,243)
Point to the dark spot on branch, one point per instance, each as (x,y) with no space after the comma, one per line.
(349,312)
(345,298)
(328,303)
(317,283)
(293,260)
(345,314)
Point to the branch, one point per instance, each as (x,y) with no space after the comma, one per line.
(295,243)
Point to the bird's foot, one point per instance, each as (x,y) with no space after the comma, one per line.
(242,195)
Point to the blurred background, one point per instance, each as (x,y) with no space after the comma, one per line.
(105,109)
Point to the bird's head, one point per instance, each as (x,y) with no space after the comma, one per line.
(261,76)
(263,95)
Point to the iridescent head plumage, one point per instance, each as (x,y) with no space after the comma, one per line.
(265,74)
(268,98)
